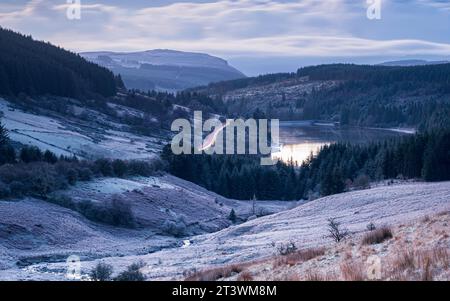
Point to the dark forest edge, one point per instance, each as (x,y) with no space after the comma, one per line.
(337,168)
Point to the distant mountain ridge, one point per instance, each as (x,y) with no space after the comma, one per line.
(163,69)
(408,63)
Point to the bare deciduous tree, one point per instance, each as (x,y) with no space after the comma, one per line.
(336,232)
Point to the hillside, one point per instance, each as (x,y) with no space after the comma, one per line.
(38,68)
(34,231)
(165,70)
(258,239)
(351,94)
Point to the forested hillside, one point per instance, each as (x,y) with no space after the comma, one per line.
(38,68)
(337,168)
(417,96)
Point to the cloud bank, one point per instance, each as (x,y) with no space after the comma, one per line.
(240,28)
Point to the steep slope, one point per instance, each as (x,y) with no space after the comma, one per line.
(38,68)
(166,70)
(257,239)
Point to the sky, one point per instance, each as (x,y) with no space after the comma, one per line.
(256,36)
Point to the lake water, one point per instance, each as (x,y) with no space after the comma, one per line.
(299,139)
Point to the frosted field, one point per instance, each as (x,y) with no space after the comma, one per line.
(68,137)
(255,239)
(34,233)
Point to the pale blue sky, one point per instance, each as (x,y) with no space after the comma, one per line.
(257,36)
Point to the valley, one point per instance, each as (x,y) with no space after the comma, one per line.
(87,171)
(255,240)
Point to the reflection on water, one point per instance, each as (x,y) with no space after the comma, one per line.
(297,153)
(299,139)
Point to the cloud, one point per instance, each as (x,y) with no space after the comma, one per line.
(234,28)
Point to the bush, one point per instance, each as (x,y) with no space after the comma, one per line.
(132,273)
(140,168)
(63,201)
(85,174)
(377,236)
(119,168)
(115,212)
(371,227)
(175,228)
(101,272)
(286,249)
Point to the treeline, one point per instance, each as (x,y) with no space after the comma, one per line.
(337,168)
(160,102)
(380,95)
(31,172)
(219,88)
(37,68)
(361,95)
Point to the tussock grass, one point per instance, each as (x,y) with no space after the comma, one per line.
(377,236)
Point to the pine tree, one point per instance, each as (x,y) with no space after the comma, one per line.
(232,217)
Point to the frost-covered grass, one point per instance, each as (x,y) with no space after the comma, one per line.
(71,136)
(258,238)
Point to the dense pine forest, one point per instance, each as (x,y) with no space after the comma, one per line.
(37,68)
(362,95)
(368,95)
(337,168)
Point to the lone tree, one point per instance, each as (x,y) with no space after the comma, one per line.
(232,217)
(336,232)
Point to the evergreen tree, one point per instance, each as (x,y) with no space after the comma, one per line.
(232,217)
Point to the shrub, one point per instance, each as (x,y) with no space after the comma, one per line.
(371,227)
(132,273)
(377,236)
(286,249)
(176,227)
(63,201)
(101,272)
(115,212)
(85,174)
(336,232)
(104,167)
(119,167)
(140,168)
